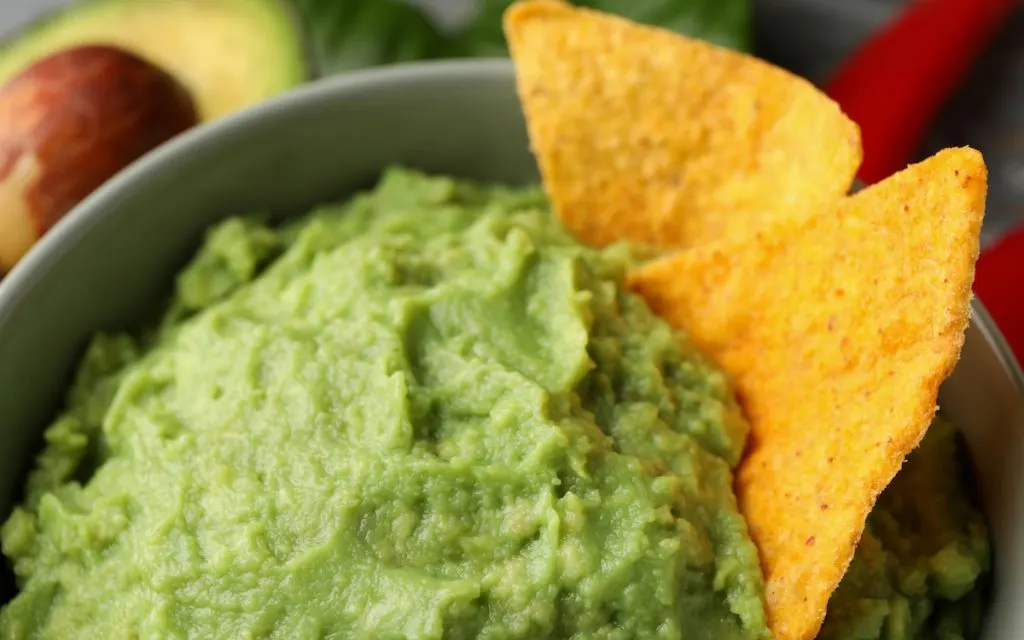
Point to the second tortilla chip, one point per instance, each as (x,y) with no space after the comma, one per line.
(838,331)
(645,135)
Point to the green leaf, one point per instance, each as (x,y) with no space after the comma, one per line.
(352,34)
(483,37)
(724,22)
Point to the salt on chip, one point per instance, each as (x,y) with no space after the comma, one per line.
(838,332)
(642,134)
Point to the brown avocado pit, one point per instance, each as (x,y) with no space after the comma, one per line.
(71,121)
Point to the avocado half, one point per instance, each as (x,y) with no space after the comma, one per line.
(229,54)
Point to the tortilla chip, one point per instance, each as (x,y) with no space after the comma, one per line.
(838,331)
(644,135)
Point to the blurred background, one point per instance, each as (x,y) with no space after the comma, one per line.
(917,75)
(811,37)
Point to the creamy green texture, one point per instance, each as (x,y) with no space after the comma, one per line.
(424,413)
(920,567)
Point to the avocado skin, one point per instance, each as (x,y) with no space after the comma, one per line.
(139,26)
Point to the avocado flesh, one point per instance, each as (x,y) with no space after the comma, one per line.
(228,53)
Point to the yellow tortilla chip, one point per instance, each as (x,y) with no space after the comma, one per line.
(838,331)
(644,135)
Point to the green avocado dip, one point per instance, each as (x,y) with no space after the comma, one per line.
(428,412)
(920,568)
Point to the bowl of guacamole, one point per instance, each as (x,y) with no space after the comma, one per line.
(331,369)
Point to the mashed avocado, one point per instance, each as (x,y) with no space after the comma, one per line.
(919,568)
(425,413)
(429,413)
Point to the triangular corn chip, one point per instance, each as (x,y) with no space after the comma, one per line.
(838,331)
(644,135)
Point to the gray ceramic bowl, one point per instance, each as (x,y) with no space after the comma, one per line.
(109,262)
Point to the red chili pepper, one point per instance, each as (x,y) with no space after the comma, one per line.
(896,82)
(999,282)
(893,87)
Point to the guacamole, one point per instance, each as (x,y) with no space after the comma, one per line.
(428,412)
(920,566)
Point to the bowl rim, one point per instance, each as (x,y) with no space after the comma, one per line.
(51,247)
(981,318)
(95,207)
